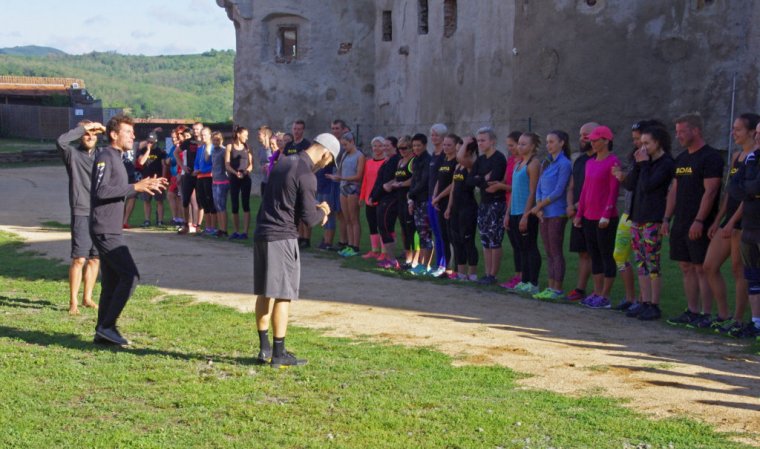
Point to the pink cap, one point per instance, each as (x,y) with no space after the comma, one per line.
(600,132)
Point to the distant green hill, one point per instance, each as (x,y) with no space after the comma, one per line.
(31,50)
(183,86)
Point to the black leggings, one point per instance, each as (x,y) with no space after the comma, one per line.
(387,212)
(461,230)
(513,234)
(205,195)
(119,277)
(187,187)
(407,224)
(240,186)
(601,246)
(370,212)
(530,256)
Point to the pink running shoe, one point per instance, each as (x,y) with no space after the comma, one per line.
(512,282)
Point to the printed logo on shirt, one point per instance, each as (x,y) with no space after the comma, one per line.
(100,167)
(681,171)
(733,171)
(458,177)
(444,169)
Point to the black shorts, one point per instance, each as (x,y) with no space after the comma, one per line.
(683,249)
(276,269)
(577,240)
(81,242)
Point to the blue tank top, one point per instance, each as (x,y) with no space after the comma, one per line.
(520,188)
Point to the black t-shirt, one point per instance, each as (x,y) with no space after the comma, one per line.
(463,194)
(691,171)
(403,173)
(128,158)
(435,163)
(154,164)
(496,167)
(386,174)
(579,175)
(420,176)
(191,146)
(444,176)
(294,148)
(732,204)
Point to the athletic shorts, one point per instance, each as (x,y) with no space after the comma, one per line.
(173,185)
(148,197)
(81,242)
(276,269)
(683,249)
(349,189)
(577,240)
(330,199)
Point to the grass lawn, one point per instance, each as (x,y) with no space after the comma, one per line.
(189,381)
(673,301)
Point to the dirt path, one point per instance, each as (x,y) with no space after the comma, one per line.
(656,369)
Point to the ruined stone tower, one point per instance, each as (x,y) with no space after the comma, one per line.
(397,66)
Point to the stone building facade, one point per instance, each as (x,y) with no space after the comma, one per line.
(397,66)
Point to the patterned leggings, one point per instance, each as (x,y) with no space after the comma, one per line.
(647,244)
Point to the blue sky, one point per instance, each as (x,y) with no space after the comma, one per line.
(148,27)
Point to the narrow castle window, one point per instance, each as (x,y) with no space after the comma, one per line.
(287,44)
(387,26)
(449,17)
(422,11)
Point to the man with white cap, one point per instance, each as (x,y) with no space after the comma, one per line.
(289,198)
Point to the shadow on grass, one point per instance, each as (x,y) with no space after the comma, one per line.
(77,342)
(24,303)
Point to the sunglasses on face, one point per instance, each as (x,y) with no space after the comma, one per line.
(403,148)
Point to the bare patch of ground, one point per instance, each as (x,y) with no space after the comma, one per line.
(650,367)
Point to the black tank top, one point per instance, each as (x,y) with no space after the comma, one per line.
(732,204)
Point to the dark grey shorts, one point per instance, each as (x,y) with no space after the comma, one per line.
(276,269)
(81,242)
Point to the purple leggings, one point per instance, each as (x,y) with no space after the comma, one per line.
(553,234)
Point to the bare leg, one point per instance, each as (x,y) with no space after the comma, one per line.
(645,285)
(263,312)
(656,288)
(606,286)
(247,219)
(717,253)
(737,268)
(75,280)
(236,223)
(280,317)
(129,206)
(160,210)
(704,290)
(690,286)
(495,261)
(146,210)
(628,282)
(90,276)
(584,270)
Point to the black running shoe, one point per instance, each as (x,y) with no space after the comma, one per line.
(683,319)
(264,358)
(747,331)
(112,335)
(634,310)
(287,359)
(623,305)
(704,321)
(650,312)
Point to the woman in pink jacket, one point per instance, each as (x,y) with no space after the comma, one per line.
(598,216)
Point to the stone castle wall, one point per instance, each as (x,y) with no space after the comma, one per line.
(512,63)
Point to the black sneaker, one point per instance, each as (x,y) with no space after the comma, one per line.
(729,327)
(487,280)
(287,359)
(651,312)
(264,358)
(634,310)
(683,319)
(747,331)
(623,305)
(112,335)
(704,321)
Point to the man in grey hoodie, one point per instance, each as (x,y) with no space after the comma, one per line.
(77,148)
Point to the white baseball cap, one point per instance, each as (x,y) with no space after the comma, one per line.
(329,141)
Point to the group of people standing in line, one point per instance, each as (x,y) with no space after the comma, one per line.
(527,193)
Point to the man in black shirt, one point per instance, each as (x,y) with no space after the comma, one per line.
(290,196)
(577,240)
(692,201)
(108,189)
(78,161)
